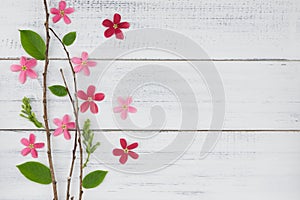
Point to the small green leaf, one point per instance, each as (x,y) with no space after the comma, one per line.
(36,172)
(94,179)
(58,90)
(33,44)
(69,38)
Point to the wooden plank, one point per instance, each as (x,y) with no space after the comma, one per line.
(243,165)
(224,29)
(259,95)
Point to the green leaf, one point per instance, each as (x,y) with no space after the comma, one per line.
(94,179)
(58,90)
(69,38)
(33,44)
(36,172)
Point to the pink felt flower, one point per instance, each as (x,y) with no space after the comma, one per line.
(61,12)
(83,63)
(25,69)
(89,98)
(31,146)
(125,151)
(124,107)
(115,27)
(63,126)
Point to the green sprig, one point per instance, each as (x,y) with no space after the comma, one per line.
(28,114)
(88,137)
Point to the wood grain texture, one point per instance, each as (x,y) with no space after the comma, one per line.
(242,166)
(224,29)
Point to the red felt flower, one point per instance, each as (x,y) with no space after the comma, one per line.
(89,98)
(31,146)
(125,151)
(115,27)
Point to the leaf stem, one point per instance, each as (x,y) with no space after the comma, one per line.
(45,109)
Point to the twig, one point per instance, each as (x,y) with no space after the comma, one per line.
(45,116)
(76,110)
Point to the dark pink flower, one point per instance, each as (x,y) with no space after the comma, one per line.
(63,126)
(61,12)
(25,69)
(89,98)
(115,27)
(83,63)
(124,107)
(31,146)
(125,151)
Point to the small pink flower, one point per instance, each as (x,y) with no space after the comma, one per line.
(125,151)
(26,69)
(61,12)
(115,27)
(124,107)
(63,126)
(31,146)
(89,98)
(83,64)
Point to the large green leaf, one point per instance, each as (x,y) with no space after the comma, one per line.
(58,90)
(93,179)
(33,44)
(69,38)
(36,172)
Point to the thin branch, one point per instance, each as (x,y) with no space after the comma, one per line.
(45,116)
(76,111)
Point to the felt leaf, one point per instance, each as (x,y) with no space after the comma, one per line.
(58,90)
(33,44)
(36,172)
(69,38)
(94,179)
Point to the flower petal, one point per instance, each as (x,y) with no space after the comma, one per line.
(62,5)
(118,152)
(67,135)
(71,125)
(69,10)
(123,159)
(132,109)
(76,60)
(66,119)
(22,77)
(84,106)
(99,97)
(34,153)
(67,19)
(93,107)
(57,122)
(56,18)
(31,63)
(121,101)
(54,11)
(109,32)
(15,68)
(25,151)
(117,18)
(78,68)
(133,155)
(107,23)
(124,25)
(132,146)
(91,63)
(39,145)
(124,114)
(86,71)
(58,131)
(31,138)
(84,56)
(91,90)
(118,109)
(23,60)
(119,34)
(123,143)
(31,73)
(128,100)
(25,142)
(82,95)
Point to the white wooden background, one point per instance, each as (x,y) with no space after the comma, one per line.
(255,46)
